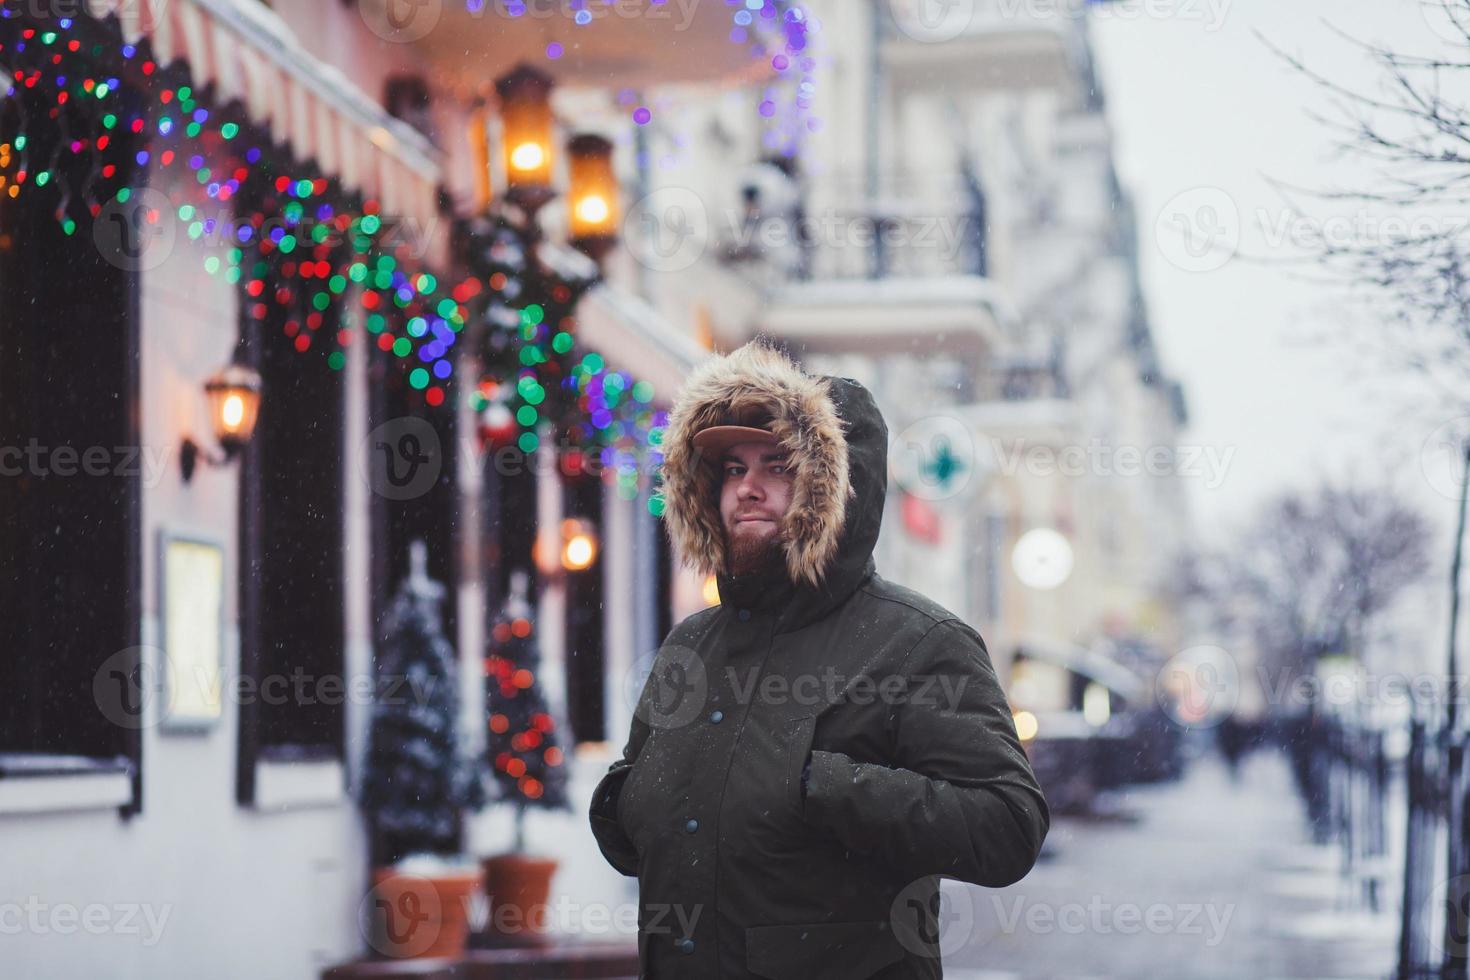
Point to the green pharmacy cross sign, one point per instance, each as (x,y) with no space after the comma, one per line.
(943,467)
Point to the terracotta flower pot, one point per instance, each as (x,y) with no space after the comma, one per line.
(421,916)
(518,888)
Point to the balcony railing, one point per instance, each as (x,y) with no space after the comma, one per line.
(994,44)
(896,240)
(929,21)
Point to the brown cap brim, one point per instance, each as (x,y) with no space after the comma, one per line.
(713,441)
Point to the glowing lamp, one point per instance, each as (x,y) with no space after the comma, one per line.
(233,397)
(592,210)
(526,131)
(1096,704)
(593,195)
(234,403)
(1026,726)
(527,158)
(1042,558)
(579,545)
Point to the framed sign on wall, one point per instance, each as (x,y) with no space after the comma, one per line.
(191,625)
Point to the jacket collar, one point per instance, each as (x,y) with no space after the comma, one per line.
(754,591)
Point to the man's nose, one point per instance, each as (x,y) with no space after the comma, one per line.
(751,487)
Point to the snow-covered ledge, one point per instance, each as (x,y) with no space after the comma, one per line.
(295,785)
(47,783)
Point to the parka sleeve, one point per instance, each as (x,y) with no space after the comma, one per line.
(962,801)
(611,838)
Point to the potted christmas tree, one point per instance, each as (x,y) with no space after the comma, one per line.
(417,781)
(527,765)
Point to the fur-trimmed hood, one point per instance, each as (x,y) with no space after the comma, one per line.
(837,444)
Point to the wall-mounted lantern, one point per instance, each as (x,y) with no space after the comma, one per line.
(233,396)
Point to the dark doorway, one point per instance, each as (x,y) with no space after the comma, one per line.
(586,634)
(292,528)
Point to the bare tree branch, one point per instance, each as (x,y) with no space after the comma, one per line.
(1311,572)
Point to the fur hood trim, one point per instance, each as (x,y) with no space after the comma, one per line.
(758,381)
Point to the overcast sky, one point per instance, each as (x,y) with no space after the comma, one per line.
(1200,105)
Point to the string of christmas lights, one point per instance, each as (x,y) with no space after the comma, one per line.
(323,238)
(305,241)
(535,371)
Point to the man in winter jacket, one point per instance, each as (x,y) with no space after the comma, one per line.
(811,756)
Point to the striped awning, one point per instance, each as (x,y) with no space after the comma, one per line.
(250,55)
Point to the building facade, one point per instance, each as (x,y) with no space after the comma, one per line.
(305,189)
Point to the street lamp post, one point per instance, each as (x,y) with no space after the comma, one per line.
(503,247)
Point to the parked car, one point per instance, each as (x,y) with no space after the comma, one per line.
(1088,724)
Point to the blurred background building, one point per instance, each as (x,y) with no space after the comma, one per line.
(941,221)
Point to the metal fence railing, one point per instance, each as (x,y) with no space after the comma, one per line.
(1436,895)
(1357,812)
(1354,788)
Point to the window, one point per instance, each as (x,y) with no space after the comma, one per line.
(292,532)
(70,485)
(430,515)
(430,512)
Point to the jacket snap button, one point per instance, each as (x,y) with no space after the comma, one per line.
(691,826)
(686,946)
(744,614)
(716,717)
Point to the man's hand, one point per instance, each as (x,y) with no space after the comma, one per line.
(959,798)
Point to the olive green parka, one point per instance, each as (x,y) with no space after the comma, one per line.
(916,773)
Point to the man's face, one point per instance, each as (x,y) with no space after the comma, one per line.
(755,490)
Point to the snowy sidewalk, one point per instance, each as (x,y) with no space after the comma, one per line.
(1196,879)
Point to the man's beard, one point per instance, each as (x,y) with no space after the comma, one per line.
(750,554)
